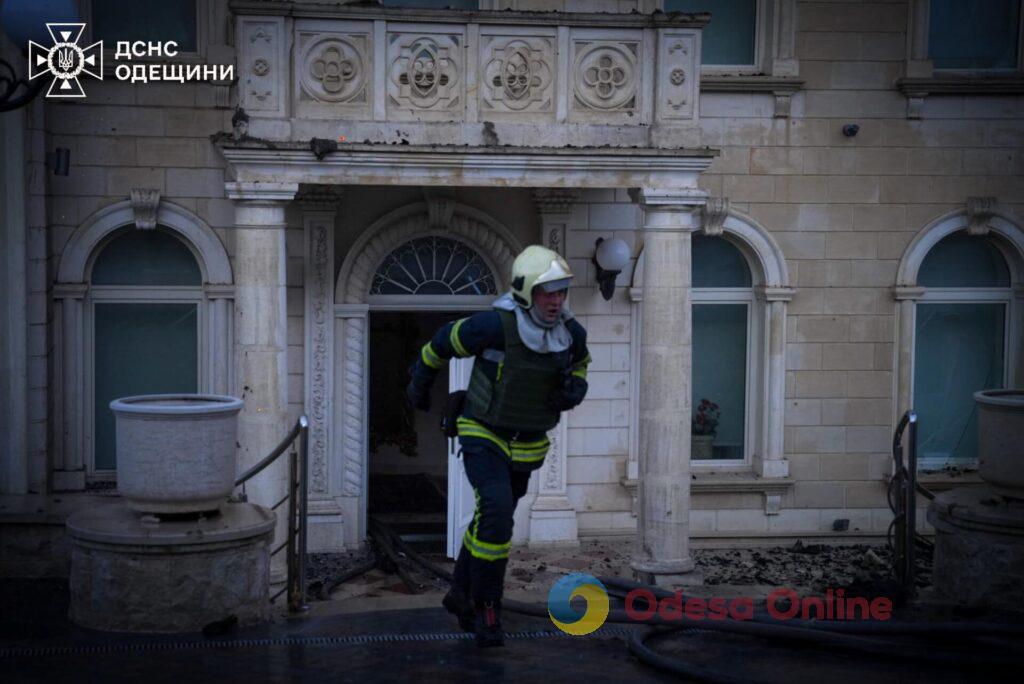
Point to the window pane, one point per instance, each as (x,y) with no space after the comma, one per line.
(151,21)
(720,371)
(718,263)
(959,351)
(146,257)
(974,35)
(960,260)
(435,4)
(433,266)
(729,38)
(140,349)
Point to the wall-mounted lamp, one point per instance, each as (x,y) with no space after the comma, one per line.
(610,257)
(59,161)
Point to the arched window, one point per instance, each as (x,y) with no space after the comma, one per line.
(723,304)
(433,265)
(961,336)
(145,304)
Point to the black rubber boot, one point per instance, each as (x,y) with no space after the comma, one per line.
(488,625)
(458,604)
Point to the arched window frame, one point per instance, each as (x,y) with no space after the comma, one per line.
(766,357)
(1004,234)
(75,299)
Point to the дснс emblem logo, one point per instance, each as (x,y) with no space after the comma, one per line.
(65,60)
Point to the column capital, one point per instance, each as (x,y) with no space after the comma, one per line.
(260,193)
(676,199)
(320,197)
(902,292)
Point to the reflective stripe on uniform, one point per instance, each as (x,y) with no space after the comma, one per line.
(580,369)
(519,452)
(430,357)
(481,549)
(454,339)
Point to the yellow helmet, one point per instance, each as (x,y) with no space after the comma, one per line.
(537,265)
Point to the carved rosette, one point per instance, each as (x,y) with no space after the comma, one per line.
(334,69)
(518,76)
(425,72)
(606,75)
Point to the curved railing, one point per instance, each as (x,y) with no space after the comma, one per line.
(298,502)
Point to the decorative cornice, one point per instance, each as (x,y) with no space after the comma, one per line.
(145,203)
(257,191)
(450,16)
(662,198)
(961,85)
(261,168)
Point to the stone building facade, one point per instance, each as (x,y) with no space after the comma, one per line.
(812,186)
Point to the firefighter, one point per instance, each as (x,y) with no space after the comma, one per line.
(530,364)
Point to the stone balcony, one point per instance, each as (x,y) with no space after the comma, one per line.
(490,78)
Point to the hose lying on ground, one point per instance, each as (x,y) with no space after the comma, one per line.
(836,635)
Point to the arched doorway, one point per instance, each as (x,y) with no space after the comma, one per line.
(412,270)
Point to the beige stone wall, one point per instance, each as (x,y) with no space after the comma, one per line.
(842,209)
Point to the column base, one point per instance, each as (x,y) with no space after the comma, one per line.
(553,523)
(326,527)
(675,566)
(694,578)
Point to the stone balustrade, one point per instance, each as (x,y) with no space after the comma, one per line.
(374,74)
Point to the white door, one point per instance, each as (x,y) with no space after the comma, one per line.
(460,494)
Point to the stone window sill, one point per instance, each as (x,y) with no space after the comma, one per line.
(781,87)
(730,482)
(917,89)
(940,481)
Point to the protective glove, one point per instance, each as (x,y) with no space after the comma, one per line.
(569,395)
(418,389)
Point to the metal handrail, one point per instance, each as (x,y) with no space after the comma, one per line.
(904,503)
(298,504)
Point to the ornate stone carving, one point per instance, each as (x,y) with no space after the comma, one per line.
(354,396)
(606,75)
(715,212)
(979,211)
(334,69)
(517,76)
(145,203)
(261,81)
(321,320)
(676,84)
(440,211)
(425,72)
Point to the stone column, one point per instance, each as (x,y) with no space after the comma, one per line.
(552,516)
(669,220)
(261,339)
(69,376)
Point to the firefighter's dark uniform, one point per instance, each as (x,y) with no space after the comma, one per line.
(502,429)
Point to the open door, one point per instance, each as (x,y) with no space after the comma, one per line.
(460,494)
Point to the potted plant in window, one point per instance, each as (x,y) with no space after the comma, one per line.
(704,426)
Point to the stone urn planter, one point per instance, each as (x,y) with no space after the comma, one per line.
(701,446)
(176,452)
(1001,440)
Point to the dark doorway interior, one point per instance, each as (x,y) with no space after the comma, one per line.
(408,454)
